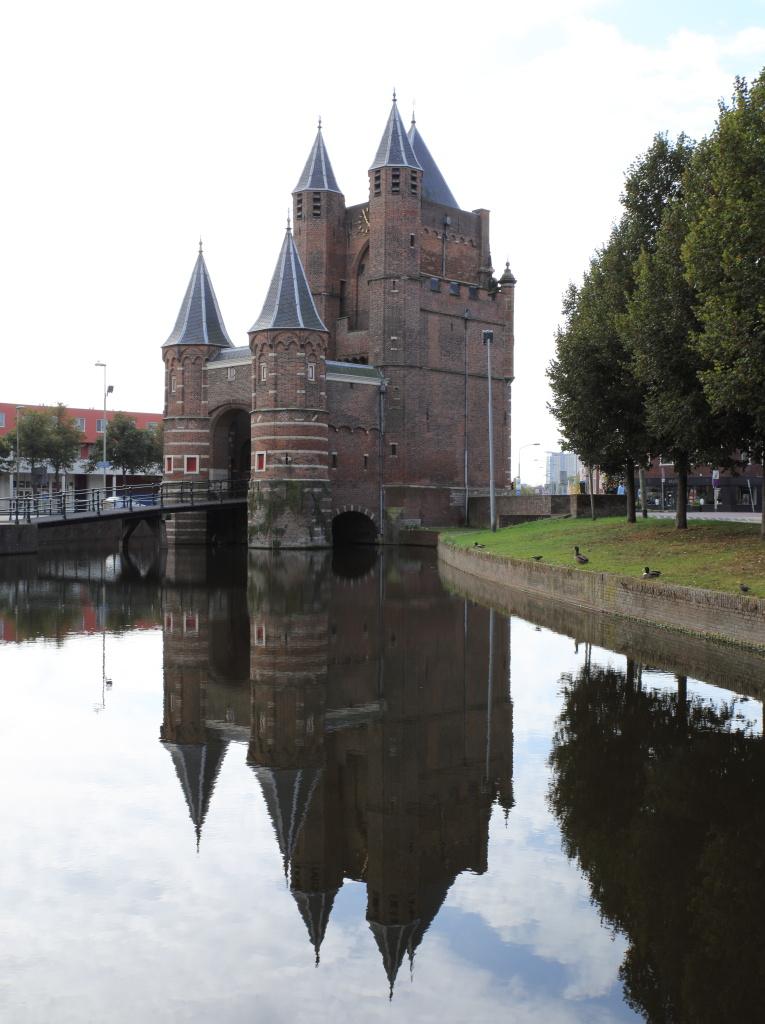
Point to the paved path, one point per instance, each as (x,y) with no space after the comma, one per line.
(723,517)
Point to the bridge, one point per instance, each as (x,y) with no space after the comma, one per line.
(131,505)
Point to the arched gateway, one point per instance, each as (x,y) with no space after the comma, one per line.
(354,526)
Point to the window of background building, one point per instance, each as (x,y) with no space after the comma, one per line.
(231,373)
(311,371)
(100,426)
(168,463)
(260,461)
(2,419)
(79,422)
(263,370)
(190,464)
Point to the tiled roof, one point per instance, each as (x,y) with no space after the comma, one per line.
(434,186)
(289,303)
(317,175)
(199,320)
(357,371)
(395,149)
(240,354)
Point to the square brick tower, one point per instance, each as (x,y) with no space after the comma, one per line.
(405,284)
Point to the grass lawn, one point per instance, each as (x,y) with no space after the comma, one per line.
(713,555)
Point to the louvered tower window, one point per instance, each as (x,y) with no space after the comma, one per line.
(317,204)
(413,183)
(395,179)
(299,208)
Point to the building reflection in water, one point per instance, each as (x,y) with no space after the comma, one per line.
(659,798)
(377,713)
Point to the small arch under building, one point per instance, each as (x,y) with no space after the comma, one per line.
(353,527)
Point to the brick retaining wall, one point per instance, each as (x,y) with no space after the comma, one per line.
(18,540)
(720,664)
(731,617)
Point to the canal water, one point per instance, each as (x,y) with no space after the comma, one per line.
(303,787)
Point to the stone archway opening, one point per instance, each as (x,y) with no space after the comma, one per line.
(353,528)
(230,447)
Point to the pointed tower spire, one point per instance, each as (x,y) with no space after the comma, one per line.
(199,320)
(197,766)
(289,303)
(317,175)
(395,149)
(315,908)
(434,186)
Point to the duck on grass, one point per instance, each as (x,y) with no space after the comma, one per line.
(729,557)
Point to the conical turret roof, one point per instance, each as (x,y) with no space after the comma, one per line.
(317,175)
(315,908)
(434,185)
(197,766)
(199,320)
(289,303)
(395,149)
(288,793)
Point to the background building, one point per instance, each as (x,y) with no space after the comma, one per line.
(91,423)
(563,473)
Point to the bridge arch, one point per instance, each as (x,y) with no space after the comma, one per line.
(230,444)
(354,524)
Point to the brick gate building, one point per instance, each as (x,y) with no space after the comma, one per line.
(360,402)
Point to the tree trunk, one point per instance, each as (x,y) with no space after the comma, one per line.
(592,494)
(681,512)
(643,494)
(762,494)
(629,479)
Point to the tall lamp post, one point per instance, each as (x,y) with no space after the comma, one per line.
(107,391)
(19,410)
(488,339)
(531,444)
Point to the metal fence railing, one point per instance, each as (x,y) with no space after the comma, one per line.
(96,501)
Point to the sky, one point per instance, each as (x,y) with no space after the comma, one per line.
(130,131)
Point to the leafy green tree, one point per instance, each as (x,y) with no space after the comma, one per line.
(65,441)
(127,446)
(596,398)
(660,328)
(31,439)
(725,259)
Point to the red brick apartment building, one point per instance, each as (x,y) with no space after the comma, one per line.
(91,423)
(361,399)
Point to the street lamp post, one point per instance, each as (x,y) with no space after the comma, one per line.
(531,444)
(19,409)
(107,391)
(488,339)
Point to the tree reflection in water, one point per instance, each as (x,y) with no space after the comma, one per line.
(659,798)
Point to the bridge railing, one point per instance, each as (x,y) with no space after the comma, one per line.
(96,501)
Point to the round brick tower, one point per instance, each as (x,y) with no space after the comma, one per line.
(289,501)
(198,334)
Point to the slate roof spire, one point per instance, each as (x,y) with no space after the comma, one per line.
(395,149)
(289,303)
(434,185)
(199,320)
(197,766)
(317,175)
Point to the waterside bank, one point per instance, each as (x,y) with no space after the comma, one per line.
(732,618)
